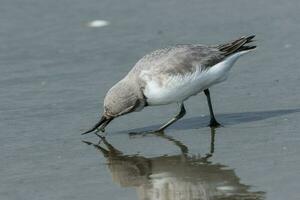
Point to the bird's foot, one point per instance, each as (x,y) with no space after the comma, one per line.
(159,131)
(214,124)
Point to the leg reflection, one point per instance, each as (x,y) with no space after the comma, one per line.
(171,177)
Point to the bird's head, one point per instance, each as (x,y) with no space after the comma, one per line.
(121,99)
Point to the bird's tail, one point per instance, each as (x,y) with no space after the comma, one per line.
(237,45)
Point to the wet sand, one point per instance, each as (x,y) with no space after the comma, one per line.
(55,70)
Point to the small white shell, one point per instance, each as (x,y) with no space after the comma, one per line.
(98,23)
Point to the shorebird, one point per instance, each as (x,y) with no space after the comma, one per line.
(172,75)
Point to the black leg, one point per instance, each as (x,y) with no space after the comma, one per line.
(174,119)
(213,121)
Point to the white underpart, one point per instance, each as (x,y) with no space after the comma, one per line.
(178,88)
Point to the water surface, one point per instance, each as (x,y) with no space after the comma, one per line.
(55,70)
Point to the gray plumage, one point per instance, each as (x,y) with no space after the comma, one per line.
(129,94)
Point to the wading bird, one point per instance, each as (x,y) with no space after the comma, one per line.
(172,75)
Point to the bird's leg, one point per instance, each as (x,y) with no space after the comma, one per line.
(213,121)
(174,119)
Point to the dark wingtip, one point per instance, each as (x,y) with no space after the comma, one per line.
(245,48)
(249,38)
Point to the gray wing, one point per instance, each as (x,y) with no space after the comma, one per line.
(180,59)
(183,59)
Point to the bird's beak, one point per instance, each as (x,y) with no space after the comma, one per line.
(104,121)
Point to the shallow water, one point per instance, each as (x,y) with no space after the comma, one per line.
(55,70)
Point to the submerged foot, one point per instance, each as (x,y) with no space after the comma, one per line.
(214,124)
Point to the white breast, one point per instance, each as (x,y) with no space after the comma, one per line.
(166,88)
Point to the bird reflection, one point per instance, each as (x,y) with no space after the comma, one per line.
(175,177)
